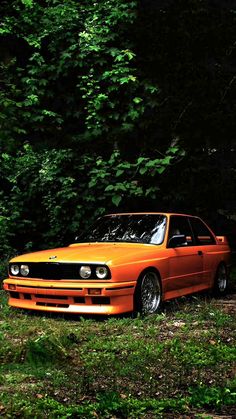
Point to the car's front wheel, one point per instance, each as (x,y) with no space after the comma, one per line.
(148,294)
(221,280)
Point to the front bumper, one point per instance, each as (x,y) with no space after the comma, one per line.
(71,297)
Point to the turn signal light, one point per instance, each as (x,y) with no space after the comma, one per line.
(11,287)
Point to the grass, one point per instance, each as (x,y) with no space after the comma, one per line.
(180,363)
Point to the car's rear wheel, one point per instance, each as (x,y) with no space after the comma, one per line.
(148,294)
(221,280)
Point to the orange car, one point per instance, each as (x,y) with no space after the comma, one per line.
(123,263)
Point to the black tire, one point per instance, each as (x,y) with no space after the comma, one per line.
(221,281)
(148,294)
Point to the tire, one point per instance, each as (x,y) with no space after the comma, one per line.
(221,281)
(148,293)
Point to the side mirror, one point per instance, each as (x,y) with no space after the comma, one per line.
(177,240)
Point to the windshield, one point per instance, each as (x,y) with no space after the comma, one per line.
(135,228)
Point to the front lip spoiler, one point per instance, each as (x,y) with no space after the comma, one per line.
(63,297)
(122,307)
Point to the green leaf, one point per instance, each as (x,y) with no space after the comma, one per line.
(27,3)
(167,160)
(119,172)
(160,170)
(142,170)
(173,150)
(137,100)
(141,159)
(116,200)
(109,188)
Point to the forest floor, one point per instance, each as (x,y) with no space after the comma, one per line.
(177,364)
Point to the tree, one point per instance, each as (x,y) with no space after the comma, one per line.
(108,105)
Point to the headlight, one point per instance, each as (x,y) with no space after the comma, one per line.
(101,272)
(14,269)
(85,272)
(24,270)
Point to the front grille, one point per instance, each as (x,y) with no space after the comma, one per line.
(54,270)
(57,270)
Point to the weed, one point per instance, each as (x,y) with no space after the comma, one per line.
(171,363)
(44,349)
(201,396)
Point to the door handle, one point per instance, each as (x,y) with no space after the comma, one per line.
(200,253)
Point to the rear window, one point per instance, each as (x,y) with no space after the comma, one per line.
(203,235)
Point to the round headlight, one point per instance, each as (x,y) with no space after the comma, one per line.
(85,272)
(24,270)
(101,272)
(14,269)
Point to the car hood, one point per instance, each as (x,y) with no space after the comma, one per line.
(106,253)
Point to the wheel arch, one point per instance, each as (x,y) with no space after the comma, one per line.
(219,264)
(147,269)
(137,287)
(214,288)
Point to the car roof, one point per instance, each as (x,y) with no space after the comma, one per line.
(152,213)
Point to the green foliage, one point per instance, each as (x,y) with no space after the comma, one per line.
(98,113)
(54,367)
(110,404)
(45,349)
(106,106)
(50,194)
(204,396)
(191,354)
(81,46)
(69,83)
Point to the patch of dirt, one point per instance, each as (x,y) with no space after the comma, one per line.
(228,303)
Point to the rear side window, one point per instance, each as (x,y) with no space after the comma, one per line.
(203,235)
(180,225)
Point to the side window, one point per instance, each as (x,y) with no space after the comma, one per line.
(180,225)
(202,234)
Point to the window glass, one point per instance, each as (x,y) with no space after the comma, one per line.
(202,234)
(136,228)
(180,225)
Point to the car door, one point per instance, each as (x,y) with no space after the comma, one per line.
(206,243)
(185,261)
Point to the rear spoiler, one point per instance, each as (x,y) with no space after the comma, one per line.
(222,240)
